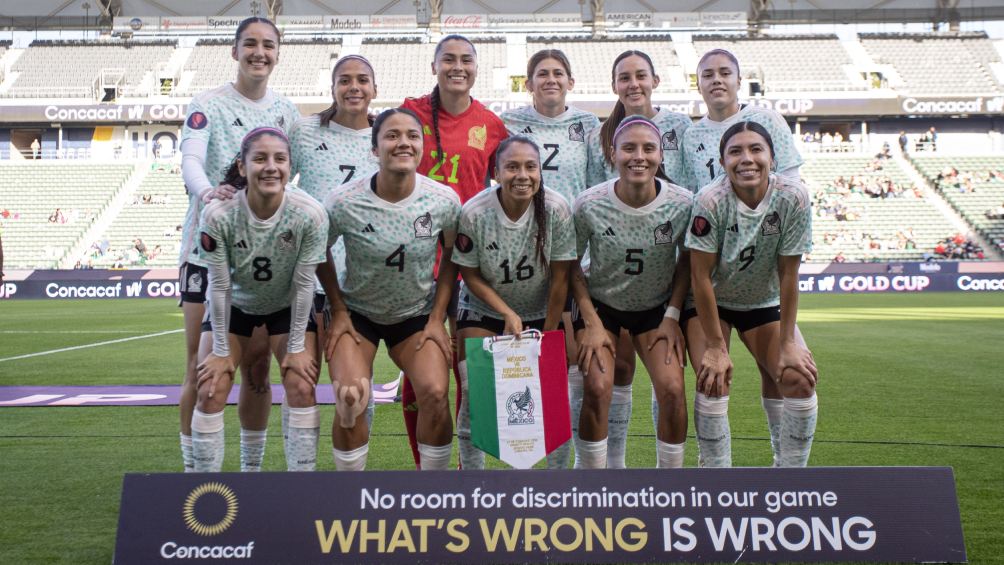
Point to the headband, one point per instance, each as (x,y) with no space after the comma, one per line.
(266,129)
(635,121)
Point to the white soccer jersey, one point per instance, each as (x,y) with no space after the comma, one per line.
(390,247)
(700,144)
(562,141)
(505,252)
(748,242)
(221,118)
(633,251)
(672,126)
(262,254)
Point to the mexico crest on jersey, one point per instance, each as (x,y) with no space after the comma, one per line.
(287,241)
(771,224)
(423,225)
(576,132)
(477,137)
(670,141)
(664,233)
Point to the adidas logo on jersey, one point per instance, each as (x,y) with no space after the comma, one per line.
(321,147)
(369,229)
(493,246)
(241,245)
(609,232)
(700,148)
(734,228)
(527,130)
(238,123)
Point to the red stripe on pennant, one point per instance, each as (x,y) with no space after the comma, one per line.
(554,390)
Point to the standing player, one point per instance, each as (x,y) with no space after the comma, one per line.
(718,81)
(460,139)
(392,222)
(561,130)
(217,122)
(633,78)
(634,228)
(747,236)
(334,147)
(261,249)
(514,247)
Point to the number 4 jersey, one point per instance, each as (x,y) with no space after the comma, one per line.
(262,254)
(390,247)
(633,251)
(748,241)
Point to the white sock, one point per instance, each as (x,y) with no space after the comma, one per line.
(352,460)
(434,457)
(774,408)
(470,457)
(186,453)
(370,409)
(617,425)
(301,447)
(655,413)
(558,459)
(714,439)
(207,442)
(575,391)
(593,454)
(669,455)
(285,420)
(797,429)
(252,449)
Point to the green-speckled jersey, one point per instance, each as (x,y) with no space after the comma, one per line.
(221,118)
(262,254)
(672,125)
(390,247)
(748,242)
(562,141)
(326,157)
(505,252)
(633,251)
(700,144)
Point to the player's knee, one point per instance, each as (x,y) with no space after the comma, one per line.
(350,401)
(597,391)
(671,394)
(624,369)
(435,394)
(299,392)
(796,384)
(210,404)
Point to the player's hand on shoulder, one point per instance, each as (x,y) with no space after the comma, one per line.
(220,192)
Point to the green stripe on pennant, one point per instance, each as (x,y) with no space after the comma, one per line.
(481,396)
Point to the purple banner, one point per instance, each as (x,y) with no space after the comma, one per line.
(148,395)
(603,516)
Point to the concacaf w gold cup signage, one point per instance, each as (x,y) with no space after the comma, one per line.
(860,514)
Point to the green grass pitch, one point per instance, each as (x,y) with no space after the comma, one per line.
(904,380)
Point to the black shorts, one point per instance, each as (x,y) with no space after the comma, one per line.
(193,281)
(471,319)
(392,334)
(615,320)
(243,324)
(741,320)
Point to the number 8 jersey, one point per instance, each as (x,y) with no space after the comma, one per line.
(748,241)
(633,251)
(390,247)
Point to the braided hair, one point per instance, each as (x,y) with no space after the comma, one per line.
(538,201)
(434,97)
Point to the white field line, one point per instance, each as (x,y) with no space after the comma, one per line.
(89,345)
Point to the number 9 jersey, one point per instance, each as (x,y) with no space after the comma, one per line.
(390,247)
(748,241)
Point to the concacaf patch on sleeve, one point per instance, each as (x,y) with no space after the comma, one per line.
(207,241)
(700,227)
(197,120)
(464,243)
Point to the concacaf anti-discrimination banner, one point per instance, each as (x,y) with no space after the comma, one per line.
(858,514)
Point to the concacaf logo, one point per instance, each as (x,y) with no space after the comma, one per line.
(210,489)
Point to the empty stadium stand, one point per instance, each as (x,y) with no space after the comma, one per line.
(953,64)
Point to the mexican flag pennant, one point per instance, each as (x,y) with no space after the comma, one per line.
(518,390)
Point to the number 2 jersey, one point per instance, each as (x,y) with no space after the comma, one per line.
(469,142)
(262,254)
(505,252)
(749,241)
(390,247)
(672,126)
(633,251)
(562,141)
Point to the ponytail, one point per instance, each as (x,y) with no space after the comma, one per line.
(434,101)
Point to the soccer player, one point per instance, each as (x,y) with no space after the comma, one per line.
(460,139)
(332,148)
(261,249)
(514,247)
(217,122)
(561,130)
(392,222)
(748,232)
(634,227)
(633,78)
(718,82)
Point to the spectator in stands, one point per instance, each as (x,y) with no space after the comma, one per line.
(996,213)
(57,217)
(139,246)
(839,258)
(903,141)
(35,146)
(216,123)
(932,135)
(156,149)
